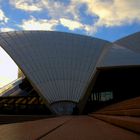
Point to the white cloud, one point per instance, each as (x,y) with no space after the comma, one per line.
(3,18)
(41,24)
(27,5)
(6,29)
(59,9)
(113,12)
(54,8)
(109,13)
(71,24)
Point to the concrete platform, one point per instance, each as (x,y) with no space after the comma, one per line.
(7,119)
(30,130)
(65,128)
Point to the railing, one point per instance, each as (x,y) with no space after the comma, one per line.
(10,86)
(25,100)
(23,105)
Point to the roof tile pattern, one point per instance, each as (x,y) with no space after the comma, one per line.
(59,65)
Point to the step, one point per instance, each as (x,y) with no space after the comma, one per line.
(127,104)
(130,123)
(123,112)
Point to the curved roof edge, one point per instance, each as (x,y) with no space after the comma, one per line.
(61,32)
(131,42)
(127,36)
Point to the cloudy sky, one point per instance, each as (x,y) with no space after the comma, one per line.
(106,19)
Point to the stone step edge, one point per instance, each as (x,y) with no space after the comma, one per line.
(129,123)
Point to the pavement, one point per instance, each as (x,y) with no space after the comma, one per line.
(65,128)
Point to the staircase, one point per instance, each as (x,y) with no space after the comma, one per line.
(125,114)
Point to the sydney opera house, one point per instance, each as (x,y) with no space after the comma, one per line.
(70,74)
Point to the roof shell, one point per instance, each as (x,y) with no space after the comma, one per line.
(131,42)
(119,56)
(59,65)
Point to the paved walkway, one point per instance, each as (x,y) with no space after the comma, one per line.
(65,128)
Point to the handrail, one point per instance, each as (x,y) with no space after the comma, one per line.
(10,85)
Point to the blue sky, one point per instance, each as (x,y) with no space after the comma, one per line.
(105,19)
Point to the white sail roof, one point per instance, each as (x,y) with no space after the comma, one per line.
(59,65)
